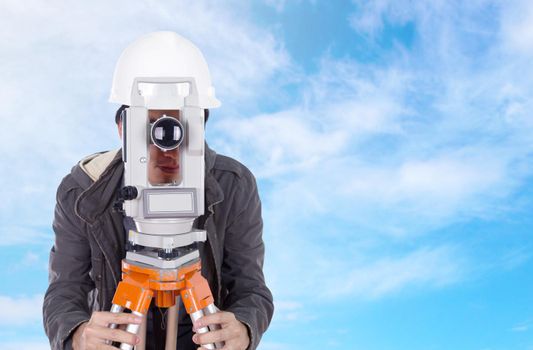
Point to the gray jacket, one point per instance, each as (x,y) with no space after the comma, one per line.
(89,246)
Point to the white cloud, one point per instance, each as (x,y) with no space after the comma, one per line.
(31,344)
(22,235)
(434,137)
(57,78)
(339,107)
(269,345)
(21,311)
(356,144)
(354,268)
(368,18)
(278,5)
(520,328)
(425,267)
(30,259)
(279,143)
(517,27)
(289,311)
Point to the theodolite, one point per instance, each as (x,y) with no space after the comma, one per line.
(162,260)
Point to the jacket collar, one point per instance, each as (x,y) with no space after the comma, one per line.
(101,194)
(213,191)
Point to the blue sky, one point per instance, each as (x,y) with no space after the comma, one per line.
(392,142)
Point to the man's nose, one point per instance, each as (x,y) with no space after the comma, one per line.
(171,154)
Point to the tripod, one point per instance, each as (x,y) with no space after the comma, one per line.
(142,282)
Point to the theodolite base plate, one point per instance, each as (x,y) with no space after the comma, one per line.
(162,263)
(167,241)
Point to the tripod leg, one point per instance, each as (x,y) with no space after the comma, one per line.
(115,309)
(198,301)
(172,326)
(142,335)
(195,316)
(131,328)
(209,310)
(135,295)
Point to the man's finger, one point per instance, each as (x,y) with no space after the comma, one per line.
(117,335)
(104,318)
(216,318)
(107,347)
(218,336)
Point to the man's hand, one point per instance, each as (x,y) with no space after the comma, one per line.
(94,333)
(233,332)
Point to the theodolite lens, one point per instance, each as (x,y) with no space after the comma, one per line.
(166,133)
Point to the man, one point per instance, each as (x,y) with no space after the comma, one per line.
(90,235)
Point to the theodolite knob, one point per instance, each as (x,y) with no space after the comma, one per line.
(128,193)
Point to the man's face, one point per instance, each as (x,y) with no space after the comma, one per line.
(163,167)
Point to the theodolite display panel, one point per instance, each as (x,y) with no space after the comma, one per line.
(176,202)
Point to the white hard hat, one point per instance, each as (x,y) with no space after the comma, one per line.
(162,55)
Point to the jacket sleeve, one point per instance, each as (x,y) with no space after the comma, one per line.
(242,268)
(65,304)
